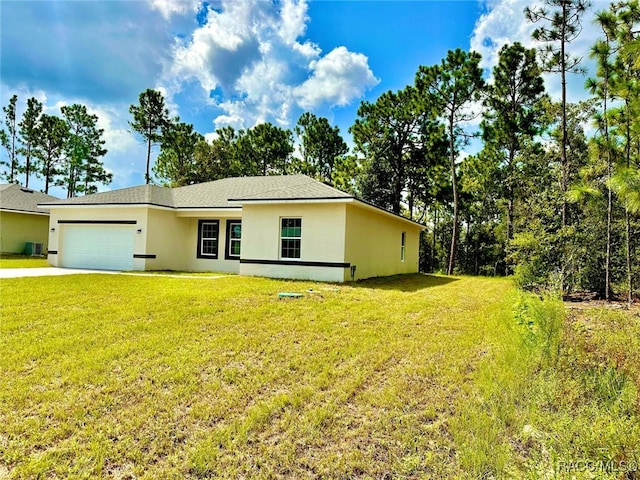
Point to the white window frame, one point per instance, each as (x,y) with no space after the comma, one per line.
(403,246)
(202,238)
(283,238)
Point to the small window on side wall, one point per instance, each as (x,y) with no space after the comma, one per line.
(234,239)
(290,237)
(403,246)
(208,234)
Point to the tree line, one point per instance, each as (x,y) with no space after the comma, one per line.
(61,150)
(543,198)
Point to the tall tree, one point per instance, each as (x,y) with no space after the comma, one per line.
(50,139)
(320,145)
(562,27)
(265,150)
(625,85)
(84,148)
(451,87)
(386,133)
(8,139)
(599,86)
(512,117)
(176,162)
(148,119)
(219,158)
(28,134)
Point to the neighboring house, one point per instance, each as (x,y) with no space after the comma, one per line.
(274,226)
(21,220)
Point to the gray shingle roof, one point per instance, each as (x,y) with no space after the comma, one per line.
(214,194)
(293,187)
(142,195)
(225,193)
(17,198)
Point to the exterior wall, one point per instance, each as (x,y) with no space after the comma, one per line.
(168,241)
(190,243)
(165,237)
(322,241)
(16,229)
(334,237)
(137,214)
(373,243)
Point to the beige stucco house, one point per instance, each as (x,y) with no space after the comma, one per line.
(275,226)
(22,222)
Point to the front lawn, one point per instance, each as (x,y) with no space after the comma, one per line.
(408,377)
(15,260)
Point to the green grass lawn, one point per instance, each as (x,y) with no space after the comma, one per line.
(407,377)
(14,260)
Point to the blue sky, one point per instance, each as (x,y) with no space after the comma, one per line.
(240,62)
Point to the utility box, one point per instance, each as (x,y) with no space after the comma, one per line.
(34,249)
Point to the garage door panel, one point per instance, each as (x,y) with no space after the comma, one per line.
(103,247)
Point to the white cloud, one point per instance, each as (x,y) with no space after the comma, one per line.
(504,22)
(337,78)
(253,64)
(169,8)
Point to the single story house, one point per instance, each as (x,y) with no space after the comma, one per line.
(289,226)
(24,227)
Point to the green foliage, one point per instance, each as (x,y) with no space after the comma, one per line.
(389,133)
(447,90)
(264,150)
(321,146)
(51,137)
(563,26)
(28,134)
(149,117)
(217,159)
(84,147)
(626,183)
(176,162)
(8,139)
(512,118)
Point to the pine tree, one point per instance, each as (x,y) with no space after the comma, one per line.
(452,86)
(8,139)
(28,135)
(149,117)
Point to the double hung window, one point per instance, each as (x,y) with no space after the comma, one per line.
(290,237)
(208,234)
(234,239)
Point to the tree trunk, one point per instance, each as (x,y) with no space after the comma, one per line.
(454,186)
(27,166)
(435,228)
(147,177)
(628,241)
(563,74)
(607,284)
(47,174)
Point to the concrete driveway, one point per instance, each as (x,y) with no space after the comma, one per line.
(46,272)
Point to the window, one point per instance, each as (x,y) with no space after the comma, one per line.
(403,245)
(290,235)
(234,238)
(208,238)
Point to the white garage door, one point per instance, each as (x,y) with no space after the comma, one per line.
(103,247)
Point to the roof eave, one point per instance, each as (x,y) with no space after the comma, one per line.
(17,210)
(256,201)
(370,206)
(105,205)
